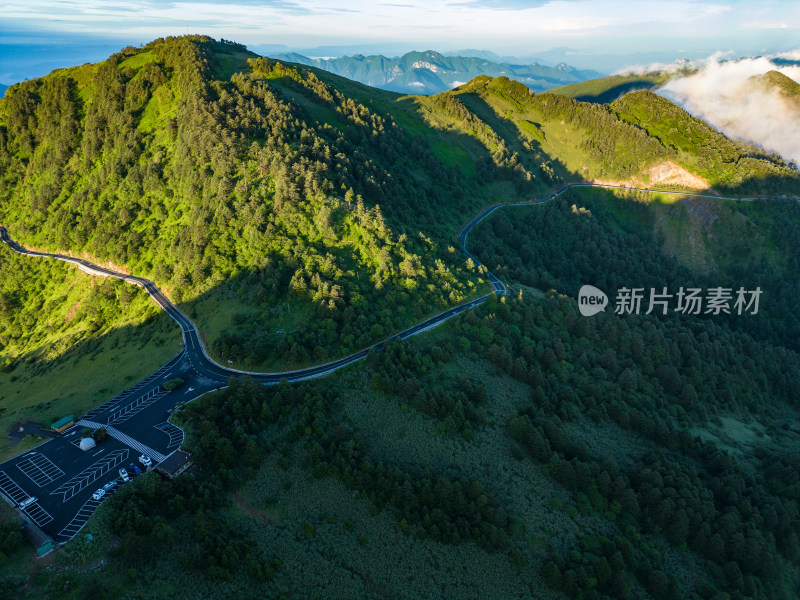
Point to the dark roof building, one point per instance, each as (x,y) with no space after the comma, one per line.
(175,464)
(63,424)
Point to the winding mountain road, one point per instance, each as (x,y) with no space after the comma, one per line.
(53,483)
(206,366)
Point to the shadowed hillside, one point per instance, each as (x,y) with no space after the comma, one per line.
(608,89)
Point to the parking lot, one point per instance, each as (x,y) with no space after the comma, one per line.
(79,520)
(38,515)
(10,488)
(62,478)
(144,384)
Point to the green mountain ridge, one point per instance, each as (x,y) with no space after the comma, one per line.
(142,139)
(239,179)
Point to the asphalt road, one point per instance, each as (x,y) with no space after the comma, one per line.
(63,478)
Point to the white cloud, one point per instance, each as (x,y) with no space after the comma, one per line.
(721,94)
(772,25)
(674,66)
(791,55)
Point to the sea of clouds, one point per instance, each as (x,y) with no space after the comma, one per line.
(719,93)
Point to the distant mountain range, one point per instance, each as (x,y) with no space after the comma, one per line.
(579,58)
(432,72)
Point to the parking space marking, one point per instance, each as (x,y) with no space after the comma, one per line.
(91,474)
(123,414)
(79,520)
(11,490)
(83,515)
(132,390)
(40,469)
(175,434)
(37,514)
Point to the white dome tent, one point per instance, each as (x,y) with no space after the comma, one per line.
(87,443)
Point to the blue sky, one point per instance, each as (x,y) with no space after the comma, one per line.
(516,27)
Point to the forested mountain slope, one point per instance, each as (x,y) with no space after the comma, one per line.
(619,141)
(775,80)
(298,215)
(152,161)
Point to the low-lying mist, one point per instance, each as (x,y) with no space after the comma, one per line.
(722,93)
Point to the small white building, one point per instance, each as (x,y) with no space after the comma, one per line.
(87,443)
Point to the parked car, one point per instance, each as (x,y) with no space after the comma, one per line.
(98,495)
(145,460)
(134,469)
(27,502)
(124,474)
(109,485)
